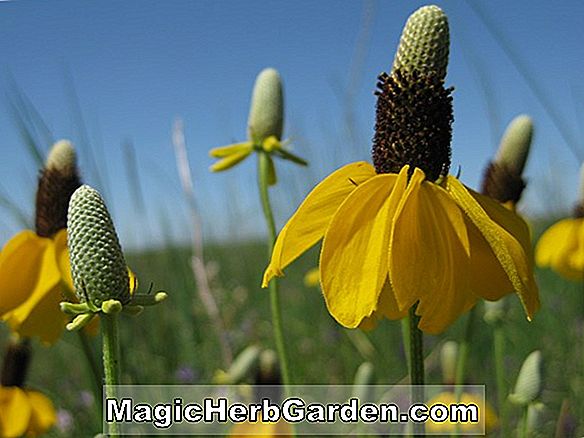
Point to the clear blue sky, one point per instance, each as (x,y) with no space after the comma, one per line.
(137,65)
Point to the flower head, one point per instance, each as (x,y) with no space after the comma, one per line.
(561,246)
(103,282)
(404,232)
(34,265)
(265,127)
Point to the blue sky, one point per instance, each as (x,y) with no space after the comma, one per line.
(138,65)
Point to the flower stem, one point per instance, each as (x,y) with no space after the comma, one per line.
(93,367)
(499,347)
(462,358)
(416,365)
(111,360)
(263,175)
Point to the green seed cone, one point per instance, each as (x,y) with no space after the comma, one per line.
(425,43)
(266,114)
(97,263)
(515,144)
(529,383)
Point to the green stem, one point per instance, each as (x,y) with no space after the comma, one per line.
(93,367)
(111,360)
(499,347)
(463,349)
(263,175)
(416,365)
(524,424)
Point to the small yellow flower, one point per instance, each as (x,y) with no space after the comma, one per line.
(265,126)
(24,412)
(561,246)
(488,420)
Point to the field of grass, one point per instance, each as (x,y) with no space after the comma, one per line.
(176,343)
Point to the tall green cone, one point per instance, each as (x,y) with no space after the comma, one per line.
(425,43)
(266,114)
(97,263)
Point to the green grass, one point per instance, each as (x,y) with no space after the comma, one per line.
(178,334)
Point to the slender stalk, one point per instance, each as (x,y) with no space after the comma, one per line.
(524,423)
(416,365)
(463,349)
(111,361)
(499,347)
(263,174)
(96,377)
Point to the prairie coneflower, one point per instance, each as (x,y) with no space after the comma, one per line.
(561,247)
(402,231)
(34,265)
(22,411)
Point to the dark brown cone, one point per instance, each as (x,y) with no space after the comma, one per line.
(52,200)
(15,364)
(578,211)
(502,183)
(413,124)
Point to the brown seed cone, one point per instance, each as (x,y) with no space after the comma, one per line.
(15,364)
(501,183)
(413,124)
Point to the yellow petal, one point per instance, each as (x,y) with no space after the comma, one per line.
(225,151)
(353,260)
(20,265)
(62,254)
(557,244)
(429,255)
(15,412)
(312,278)
(230,161)
(507,235)
(307,226)
(43,413)
(40,315)
(386,307)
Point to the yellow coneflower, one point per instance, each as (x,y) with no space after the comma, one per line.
(402,231)
(34,265)
(561,247)
(22,410)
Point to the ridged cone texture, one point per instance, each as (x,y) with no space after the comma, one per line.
(266,114)
(424,44)
(98,266)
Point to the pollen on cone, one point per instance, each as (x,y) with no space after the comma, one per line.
(97,263)
(62,158)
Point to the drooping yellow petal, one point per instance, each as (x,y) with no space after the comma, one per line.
(43,413)
(576,258)
(15,412)
(225,151)
(386,307)
(39,316)
(62,254)
(307,226)
(555,246)
(353,260)
(20,266)
(230,160)
(428,256)
(507,235)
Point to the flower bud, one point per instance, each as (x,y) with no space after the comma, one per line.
(266,114)
(515,144)
(448,361)
(529,382)
(98,267)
